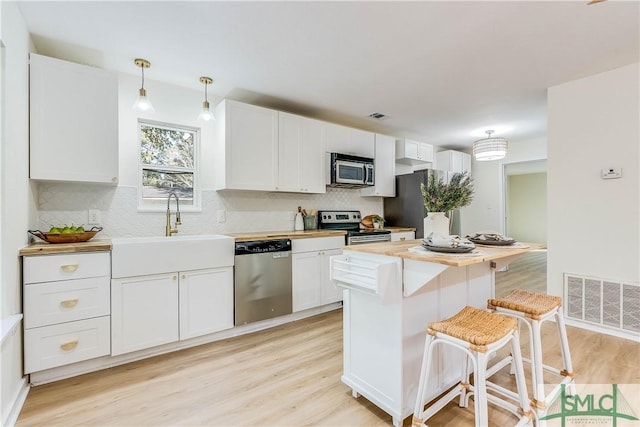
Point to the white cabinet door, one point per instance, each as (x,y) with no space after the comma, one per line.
(301,154)
(73,122)
(453,161)
(247,138)
(403,235)
(306,279)
(385,168)
(346,140)
(329,291)
(144,312)
(206,301)
(413,152)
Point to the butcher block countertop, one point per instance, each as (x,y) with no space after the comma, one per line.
(484,253)
(44,248)
(266,235)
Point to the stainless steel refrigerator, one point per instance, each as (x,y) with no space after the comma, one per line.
(407,208)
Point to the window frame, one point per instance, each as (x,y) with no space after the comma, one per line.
(147,205)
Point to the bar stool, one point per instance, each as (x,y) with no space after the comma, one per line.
(533,309)
(478,333)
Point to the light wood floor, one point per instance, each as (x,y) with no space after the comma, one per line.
(285,376)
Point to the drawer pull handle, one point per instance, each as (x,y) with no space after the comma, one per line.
(403,238)
(69,303)
(68,346)
(69,268)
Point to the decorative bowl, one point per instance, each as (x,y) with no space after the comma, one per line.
(66,237)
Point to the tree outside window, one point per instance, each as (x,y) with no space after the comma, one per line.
(167,163)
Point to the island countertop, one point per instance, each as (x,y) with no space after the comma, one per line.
(485,253)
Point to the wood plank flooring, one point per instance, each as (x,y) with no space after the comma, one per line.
(284,376)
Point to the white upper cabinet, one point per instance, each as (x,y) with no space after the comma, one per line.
(73,122)
(300,154)
(346,140)
(412,152)
(385,168)
(247,147)
(453,161)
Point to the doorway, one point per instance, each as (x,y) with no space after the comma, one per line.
(525,219)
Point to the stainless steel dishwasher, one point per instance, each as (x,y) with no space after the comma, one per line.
(262,280)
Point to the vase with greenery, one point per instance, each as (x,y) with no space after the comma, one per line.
(440,198)
(378,222)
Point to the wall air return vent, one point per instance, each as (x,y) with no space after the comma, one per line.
(608,303)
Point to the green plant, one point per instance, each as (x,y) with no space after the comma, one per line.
(440,196)
(378,219)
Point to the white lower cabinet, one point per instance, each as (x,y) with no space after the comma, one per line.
(328,290)
(310,272)
(403,235)
(206,302)
(158,309)
(66,308)
(64,343)
(144,312)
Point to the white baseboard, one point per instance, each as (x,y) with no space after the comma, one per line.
(16,406)
(602,329)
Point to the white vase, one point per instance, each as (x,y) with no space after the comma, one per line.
(437,223)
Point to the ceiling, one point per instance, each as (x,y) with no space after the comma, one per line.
(443,71)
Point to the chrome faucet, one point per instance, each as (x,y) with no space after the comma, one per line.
(169,230)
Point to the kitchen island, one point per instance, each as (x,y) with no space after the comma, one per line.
(392,290)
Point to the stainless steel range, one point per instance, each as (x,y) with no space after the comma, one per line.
(350,222)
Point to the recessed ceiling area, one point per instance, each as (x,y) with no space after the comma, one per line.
(442,71)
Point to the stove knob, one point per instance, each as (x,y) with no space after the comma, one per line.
(329,216)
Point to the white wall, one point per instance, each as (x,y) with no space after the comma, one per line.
(486,212)
(61,203)
(527,207)
(18,208)
(594,225)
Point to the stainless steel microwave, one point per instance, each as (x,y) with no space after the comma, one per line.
(350,171)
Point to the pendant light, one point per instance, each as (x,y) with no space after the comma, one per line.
(142,102)
(490,148)
(206,113)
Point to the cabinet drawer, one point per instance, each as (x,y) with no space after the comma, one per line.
(49,303)
(57,345)
(48,268)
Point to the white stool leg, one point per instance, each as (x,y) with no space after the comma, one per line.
(464,380)
(480,390)
(536,364)
(521,384)
(422,385)
(564,341)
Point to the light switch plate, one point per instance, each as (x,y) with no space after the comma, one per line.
(94,217)
(222,216)
(611,173)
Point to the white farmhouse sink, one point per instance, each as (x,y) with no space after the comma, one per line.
(138,256)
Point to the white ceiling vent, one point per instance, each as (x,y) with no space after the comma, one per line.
(378,116)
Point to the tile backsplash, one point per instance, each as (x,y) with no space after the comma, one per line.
(64,203)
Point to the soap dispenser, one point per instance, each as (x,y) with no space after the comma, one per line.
(299,222)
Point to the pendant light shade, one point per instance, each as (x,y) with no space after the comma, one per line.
(490,148)
(206,113)
(142,102)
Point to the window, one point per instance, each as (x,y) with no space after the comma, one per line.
(167,164)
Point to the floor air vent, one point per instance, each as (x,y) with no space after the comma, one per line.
(605,302)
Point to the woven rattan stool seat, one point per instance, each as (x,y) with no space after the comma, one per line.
(530,303)
(475,326)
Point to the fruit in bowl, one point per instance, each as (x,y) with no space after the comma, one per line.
(66,234)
